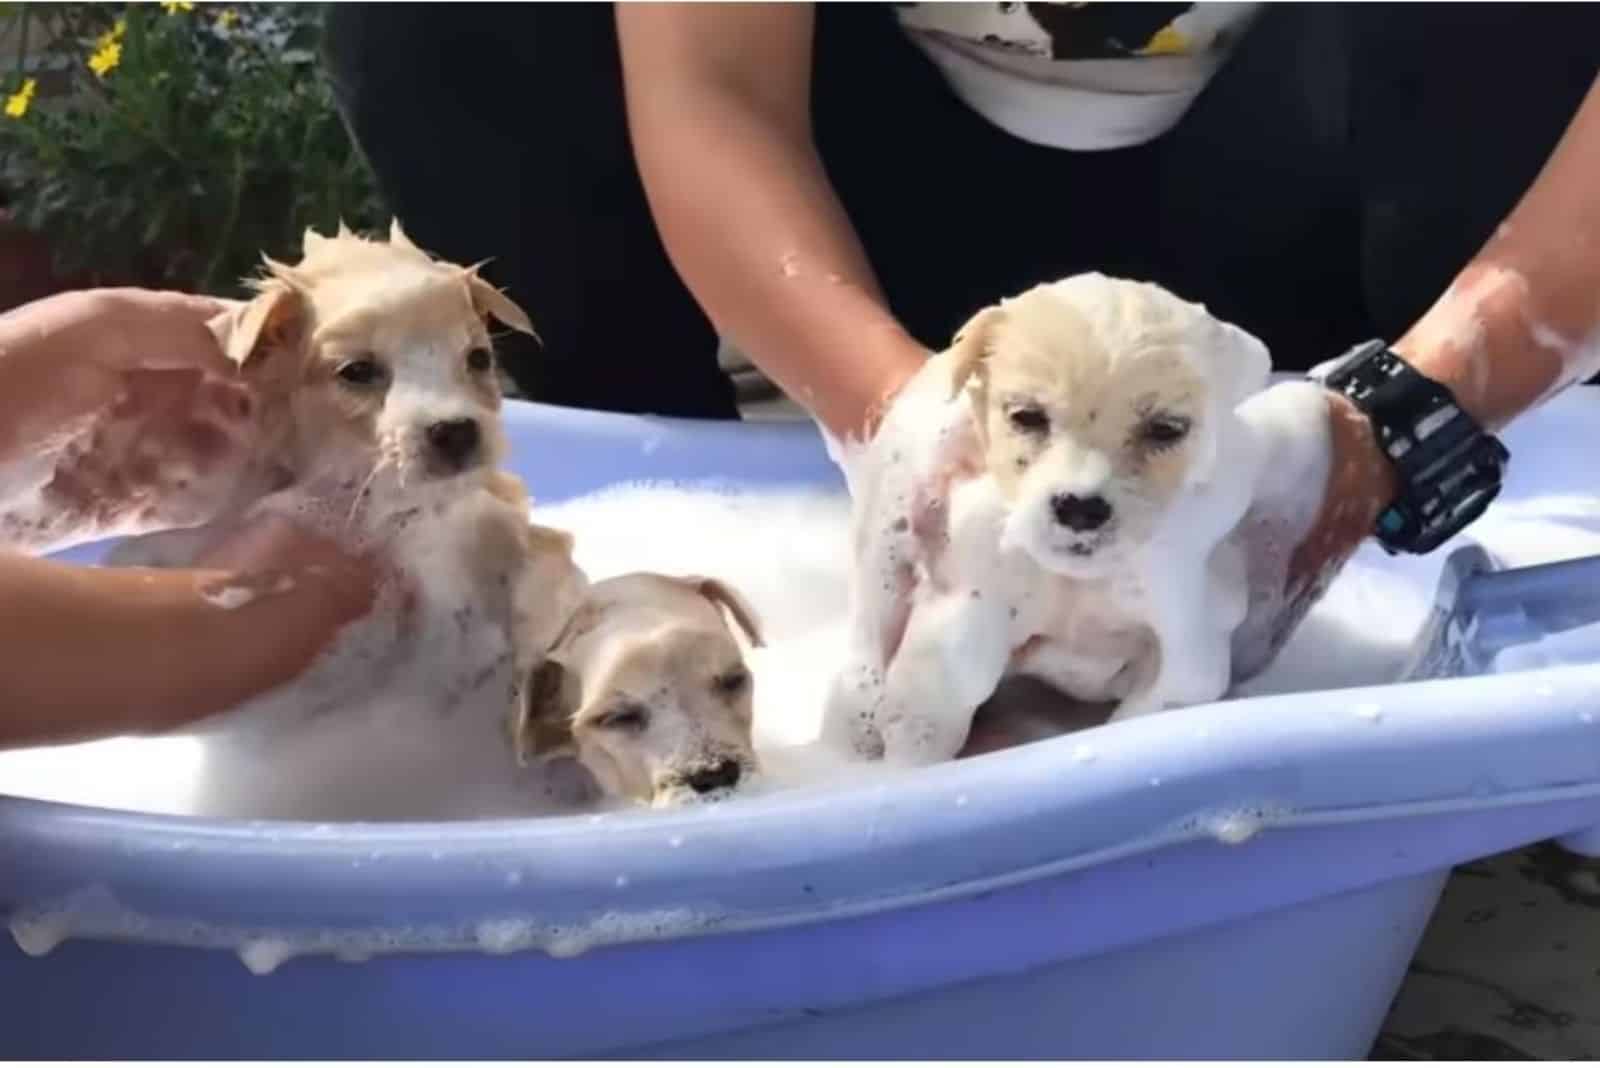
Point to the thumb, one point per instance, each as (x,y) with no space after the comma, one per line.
(168,330)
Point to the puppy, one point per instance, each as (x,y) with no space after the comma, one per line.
(1064,515)
(649,691)
(373,365)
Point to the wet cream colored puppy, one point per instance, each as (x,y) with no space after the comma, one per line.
(1086,466)
(648,689)
(373,365)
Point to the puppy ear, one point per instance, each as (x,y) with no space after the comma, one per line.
(550,539)
(971,347)
(542,729)
(1241,364)
(489,302)
(507,487)
(728,599)
(1237,365)
(247,333)
(311,242)
(397,235)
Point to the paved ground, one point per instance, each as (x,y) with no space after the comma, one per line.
(1510,966)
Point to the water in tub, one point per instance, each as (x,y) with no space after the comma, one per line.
(785,550)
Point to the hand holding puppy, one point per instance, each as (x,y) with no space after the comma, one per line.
(117,405)
(1092,502)
(270,554)
(1317,501)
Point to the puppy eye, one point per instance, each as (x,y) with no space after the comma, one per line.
(1029,420)
(731,682)
(479,361)
(625,718)
(1164,430)
(360,372)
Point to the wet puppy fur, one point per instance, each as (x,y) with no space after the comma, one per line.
(376,363)
(373,369)
(1082,481)
(648,689)
(1099,403)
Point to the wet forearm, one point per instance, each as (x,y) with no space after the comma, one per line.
(746,211)
(1523,319)
(32,390)
(88,652)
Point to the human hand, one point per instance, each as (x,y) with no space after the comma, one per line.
(899,479)
(1325,484)
(268,556)
(126,393)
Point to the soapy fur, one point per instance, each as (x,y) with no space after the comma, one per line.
(787,550)
(649,690)
(1053,497)
(374,368)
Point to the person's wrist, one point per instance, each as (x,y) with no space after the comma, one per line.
(903,358)
(1361,484)
(272,556)
(1363,468)
(239,634)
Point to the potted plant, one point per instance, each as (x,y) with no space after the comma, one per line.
(173,144)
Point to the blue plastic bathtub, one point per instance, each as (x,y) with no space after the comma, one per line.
(1244,880)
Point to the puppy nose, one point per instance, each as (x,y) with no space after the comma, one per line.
(456,440)
(717,777)
(1080,513)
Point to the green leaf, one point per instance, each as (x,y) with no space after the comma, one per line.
(140,172)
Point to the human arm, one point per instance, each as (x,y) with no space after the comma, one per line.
(719,109)
(1520,322)
(87,652)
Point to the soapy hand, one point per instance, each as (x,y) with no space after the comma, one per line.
(269,554)
(128,396)
(899,482)
(1317,502)
(1314,505)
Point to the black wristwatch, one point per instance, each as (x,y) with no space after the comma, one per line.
(1449,468)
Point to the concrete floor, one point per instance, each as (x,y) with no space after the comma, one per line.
(1510,966)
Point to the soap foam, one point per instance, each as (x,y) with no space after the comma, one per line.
(787,551)
(95,913)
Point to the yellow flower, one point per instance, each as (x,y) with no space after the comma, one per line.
(108,49)
(17,103)
(106,58)
(227,18)
(172,7)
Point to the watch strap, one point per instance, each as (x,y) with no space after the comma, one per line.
(1449,469)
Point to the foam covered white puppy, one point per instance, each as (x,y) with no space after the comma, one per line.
(1052,496)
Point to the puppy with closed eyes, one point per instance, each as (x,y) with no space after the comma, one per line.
(1064,515)
(649,691)
(374,373)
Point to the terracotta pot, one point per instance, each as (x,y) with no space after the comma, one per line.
(26,271)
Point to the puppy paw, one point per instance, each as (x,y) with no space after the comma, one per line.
(849,719)
(1143,704)
(916,736)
